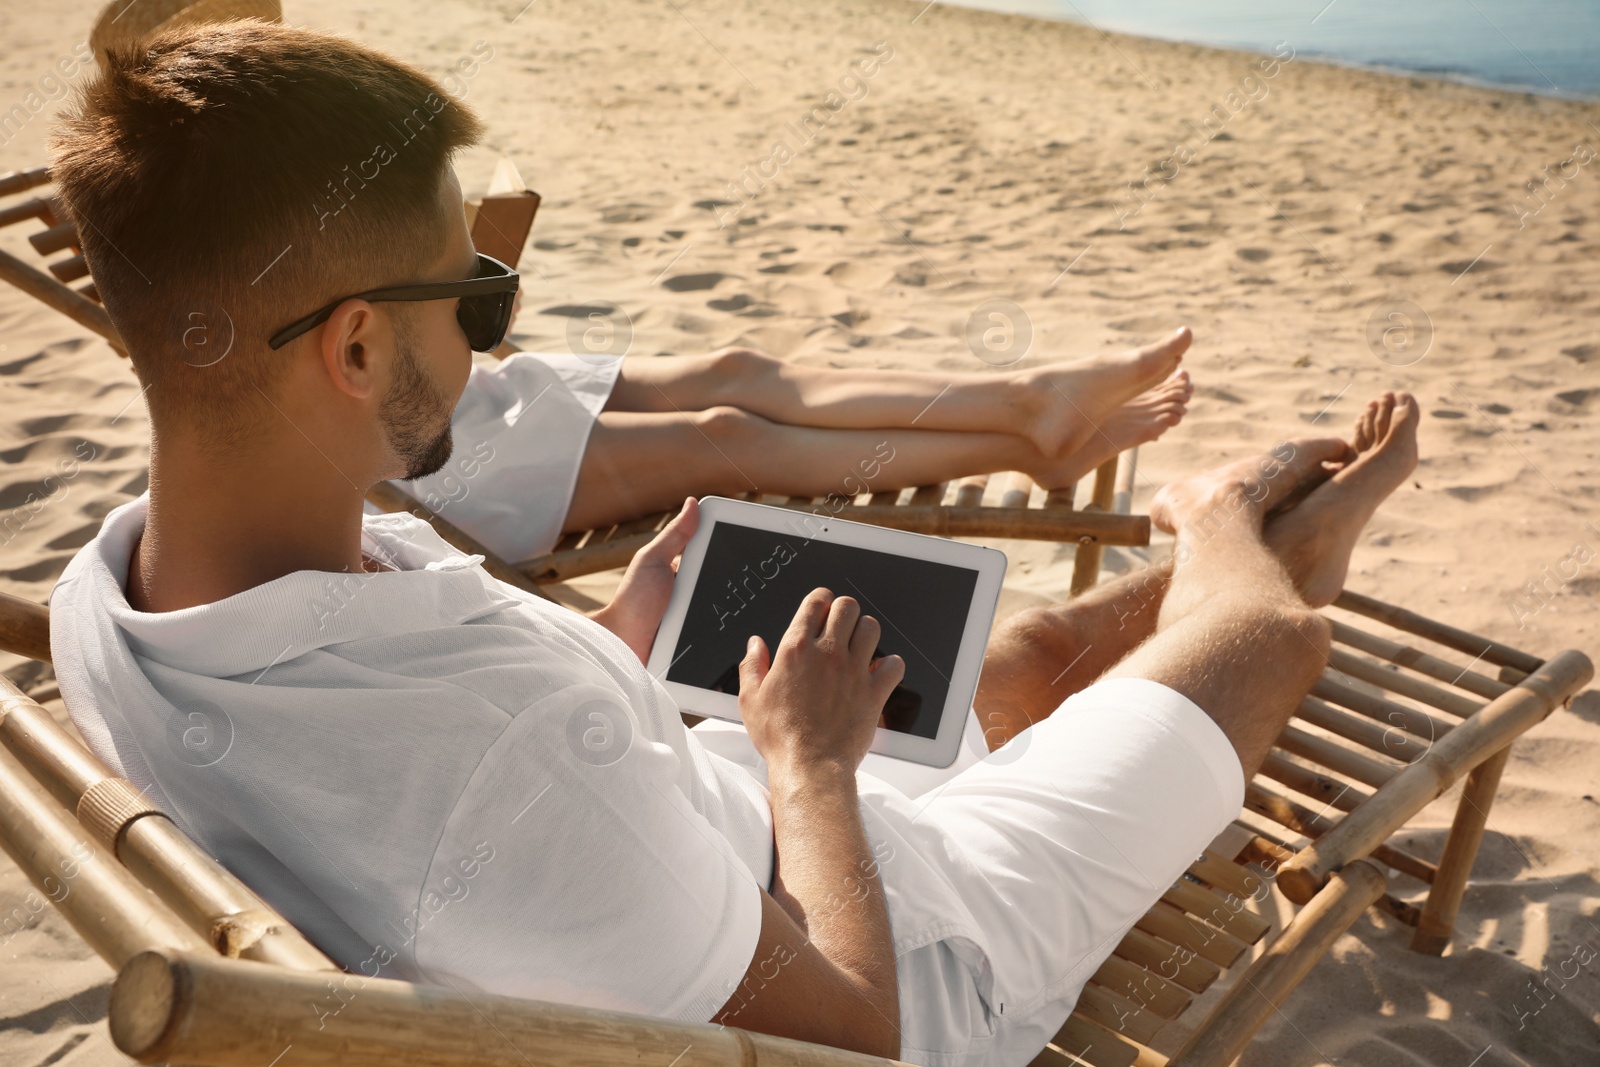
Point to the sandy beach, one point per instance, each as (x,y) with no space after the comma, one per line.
(845,183)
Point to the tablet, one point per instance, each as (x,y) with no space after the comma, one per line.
(749,566)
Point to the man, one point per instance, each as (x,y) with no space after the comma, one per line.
(440,778)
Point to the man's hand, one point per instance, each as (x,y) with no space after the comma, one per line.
(634,614)
(815,706)
(824,968)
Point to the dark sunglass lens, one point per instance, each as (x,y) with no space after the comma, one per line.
(484,319)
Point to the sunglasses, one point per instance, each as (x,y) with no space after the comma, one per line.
(484,312)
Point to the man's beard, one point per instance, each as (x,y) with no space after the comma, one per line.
(412,408)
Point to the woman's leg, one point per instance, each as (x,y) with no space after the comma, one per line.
(637,463)
(1058,407)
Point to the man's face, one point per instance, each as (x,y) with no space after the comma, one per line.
(432,356)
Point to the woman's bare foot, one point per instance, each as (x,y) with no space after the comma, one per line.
(1315,538)
(1260,483)
(1063,404)
(1139,421)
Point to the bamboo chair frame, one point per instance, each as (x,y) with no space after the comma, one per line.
(209,974)
(1102,521)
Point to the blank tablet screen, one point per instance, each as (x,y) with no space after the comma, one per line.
(752,581)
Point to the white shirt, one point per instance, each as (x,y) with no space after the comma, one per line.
(520,432)
(436,776)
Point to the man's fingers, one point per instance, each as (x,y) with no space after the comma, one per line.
(842,616)
(755,665)
(810,616)
(864,642)
(887,673)
(670,542)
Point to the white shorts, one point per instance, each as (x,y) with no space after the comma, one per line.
(1056,845)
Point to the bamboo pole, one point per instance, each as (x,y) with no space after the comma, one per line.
(1437,919)
(1421,662)
(1018,491)
(1404,684)
(1027,524)
(125,825)
(194,1008)
(1389,741)
(117,916)
(1469,744)
(1086,561)
(1417,723)
(18,181)
(45,289)
(24,628)
(1285,812)
(1263,988)
(1345,761)
(1448,636)
(1127,472)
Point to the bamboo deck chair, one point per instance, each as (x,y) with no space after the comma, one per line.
(209,974)
(500,224)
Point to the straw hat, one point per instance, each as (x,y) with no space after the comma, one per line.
(130,21)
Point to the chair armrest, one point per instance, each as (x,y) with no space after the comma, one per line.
(1494,727)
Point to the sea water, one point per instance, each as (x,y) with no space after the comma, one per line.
(1541,46)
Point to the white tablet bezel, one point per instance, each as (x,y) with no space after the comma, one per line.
(823,525)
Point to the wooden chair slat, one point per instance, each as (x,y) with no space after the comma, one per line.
(1093,1044)
(928,495)
(28,209)
(1336,758)
(1388,741)
(800,501)
(1018,490)
(1143,986)
(1061,499)
(969,491)
(1086,561)
(886,496)
(1264,850)
(1462,641)
(1308,783)
(20,181)
(54,239)
(1174,925)
(1050,1056)
(1391,678)
(1117,1014)
(1438,669)
(1388,712)
(1225,914)
(1167,960)
(70,269)
(1227,875)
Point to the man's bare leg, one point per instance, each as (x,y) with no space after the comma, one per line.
(636,463)
(1058,407)
(1043,655)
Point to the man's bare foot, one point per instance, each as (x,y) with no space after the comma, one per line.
(1315,538)
(1139,421)
(1062,404)
(1258,484)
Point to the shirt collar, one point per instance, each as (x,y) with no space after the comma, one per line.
(279,620)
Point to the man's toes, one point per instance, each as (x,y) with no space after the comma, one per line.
(1385,414)
(1363,438)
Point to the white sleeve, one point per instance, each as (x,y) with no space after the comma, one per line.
(575,869)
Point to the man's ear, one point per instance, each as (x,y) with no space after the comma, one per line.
(350,342)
